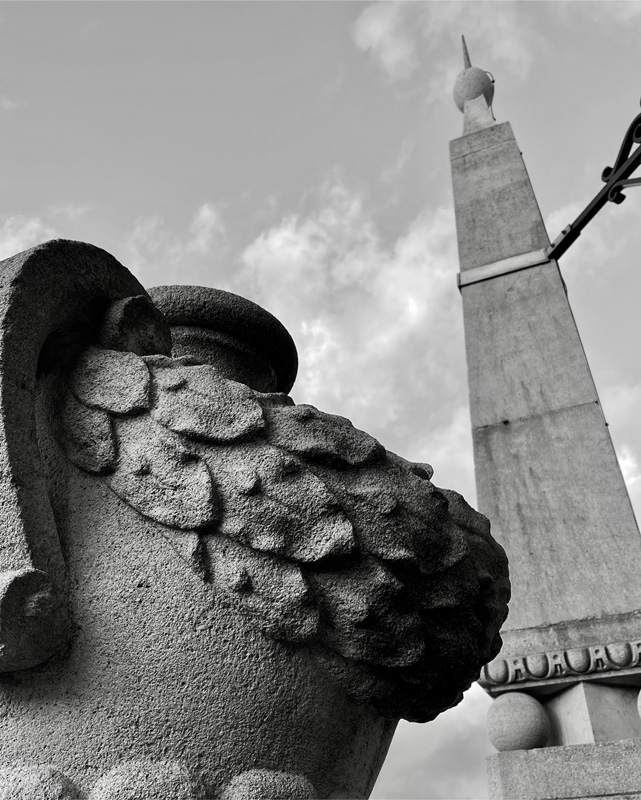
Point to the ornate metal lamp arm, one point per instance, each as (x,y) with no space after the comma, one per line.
(615,178)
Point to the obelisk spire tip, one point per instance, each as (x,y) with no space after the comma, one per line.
(467,64)
(474,91)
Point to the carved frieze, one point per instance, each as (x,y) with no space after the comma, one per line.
(555,664)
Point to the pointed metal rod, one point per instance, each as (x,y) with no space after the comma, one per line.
(467,64)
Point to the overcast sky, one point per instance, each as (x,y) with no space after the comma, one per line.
(297,153)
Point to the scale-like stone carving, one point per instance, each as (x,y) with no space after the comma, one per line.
(256,591)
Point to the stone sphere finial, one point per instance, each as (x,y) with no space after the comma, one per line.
(517,721)
(472,83)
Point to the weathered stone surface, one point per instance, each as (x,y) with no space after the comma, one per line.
(230,328)
(594,771)
(593,712)
(547,473)
(497,215)
(516,721)
(111,381)
(32,624)
(258,784)
(161,476)
(135,780)
(36,337)
(135,325)
(35,783)
(320,437)
(548,477)
(88,435)
(281,480)
(258,591)
(192,400)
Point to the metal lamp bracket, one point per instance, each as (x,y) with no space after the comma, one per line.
(615,178)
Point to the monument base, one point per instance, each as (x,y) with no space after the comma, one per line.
(600,770)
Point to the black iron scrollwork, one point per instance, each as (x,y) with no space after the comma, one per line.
(616,179)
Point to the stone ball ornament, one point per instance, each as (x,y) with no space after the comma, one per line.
(206,589)
(517,721)
(471,83)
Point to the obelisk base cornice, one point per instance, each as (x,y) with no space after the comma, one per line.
(544,660)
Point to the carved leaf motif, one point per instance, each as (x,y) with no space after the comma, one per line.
(269,589)
(320,437)
(160,477)
(86,436)
(399,517)
(198,402)
(302,522)
(365,610)
(274,504)
(111,381)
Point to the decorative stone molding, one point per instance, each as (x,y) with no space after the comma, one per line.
(167,780)
(576,661)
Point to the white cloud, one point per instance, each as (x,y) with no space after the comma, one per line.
(18,233)
(7,104)
(403,35)
(629,466)
(612,12)
(382,29)
(155,253)
(430,756)
(70,212)
(621,404)
(377,325)
(391,172)
(206,230)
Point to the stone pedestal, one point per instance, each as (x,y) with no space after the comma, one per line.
(605,770)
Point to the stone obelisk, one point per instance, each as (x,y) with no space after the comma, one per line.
(547,476)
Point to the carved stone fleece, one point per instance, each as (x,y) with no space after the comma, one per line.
(306,525)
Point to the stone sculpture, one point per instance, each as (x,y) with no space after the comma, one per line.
(208,591)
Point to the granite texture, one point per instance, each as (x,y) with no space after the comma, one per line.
(497,215)
(203,318)
(253,592)
(582,772)
(516,721)
(546,471)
